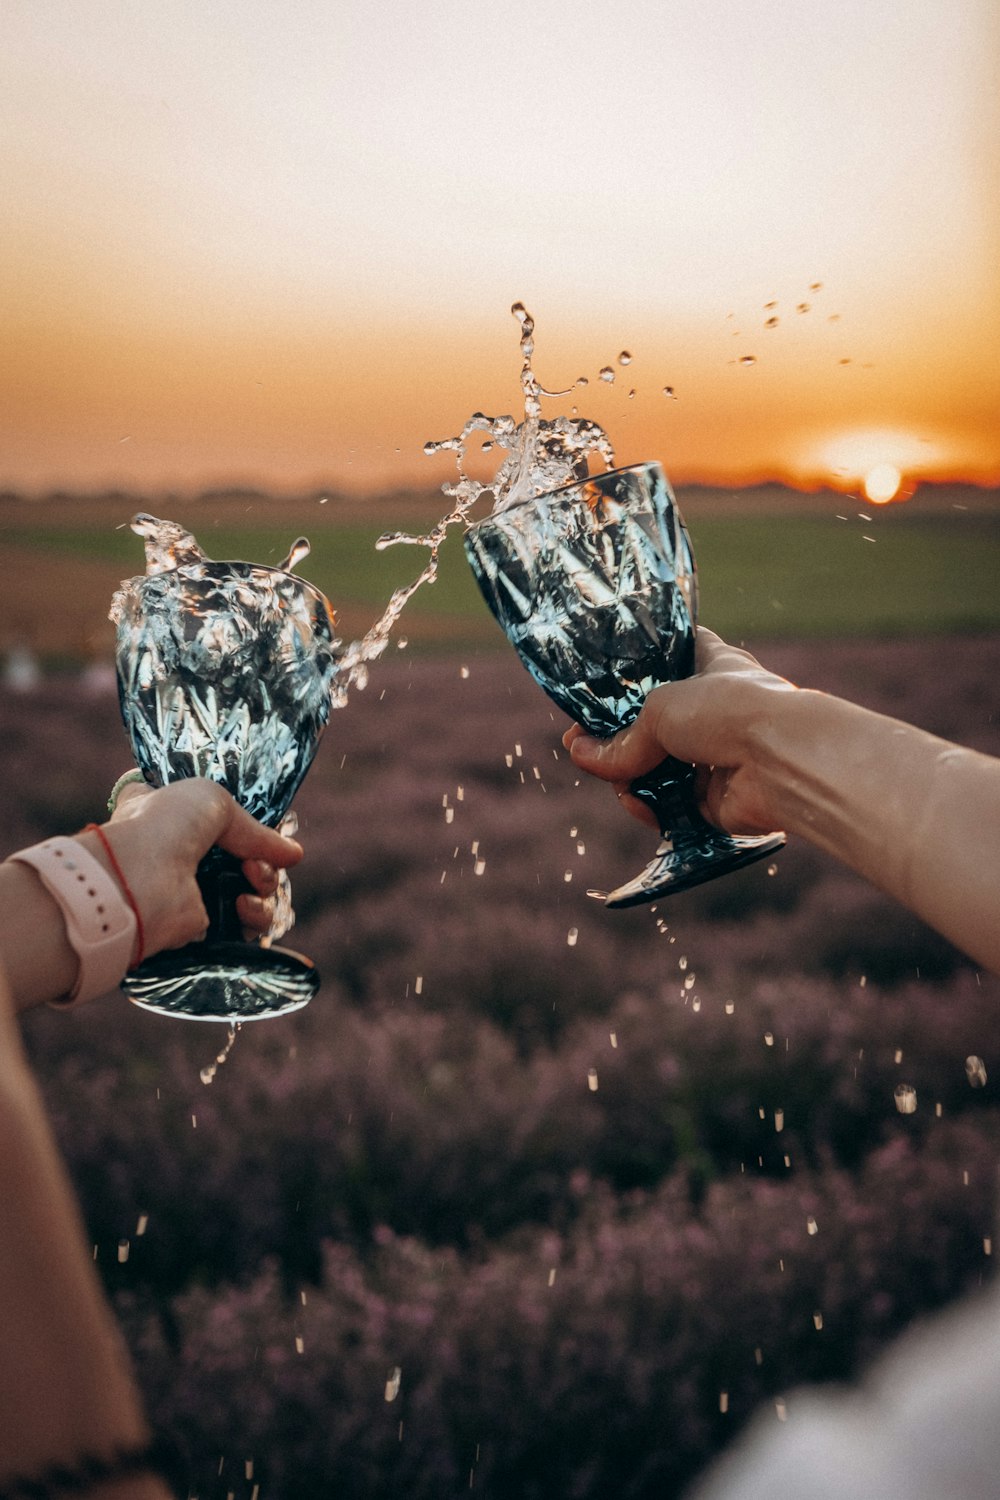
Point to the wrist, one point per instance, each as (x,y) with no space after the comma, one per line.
(98,924)
(774,748)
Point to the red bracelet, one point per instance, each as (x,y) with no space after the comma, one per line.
(126,892)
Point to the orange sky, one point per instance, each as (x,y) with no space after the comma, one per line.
(251,244)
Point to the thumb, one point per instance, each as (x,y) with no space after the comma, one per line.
(243,836)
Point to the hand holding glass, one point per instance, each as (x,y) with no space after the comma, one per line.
(595,587)
(224,671)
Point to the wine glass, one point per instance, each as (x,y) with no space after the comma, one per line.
(595,586)
(225,671)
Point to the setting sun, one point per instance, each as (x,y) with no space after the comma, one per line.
(882,483)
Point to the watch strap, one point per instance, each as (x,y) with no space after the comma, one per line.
(100,924)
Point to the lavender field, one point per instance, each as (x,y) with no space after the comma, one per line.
(534,1199)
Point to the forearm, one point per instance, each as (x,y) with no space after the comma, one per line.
(66,1391)
(35,950)
(916,815)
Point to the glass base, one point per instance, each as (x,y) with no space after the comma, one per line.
(689,859)
(223,981)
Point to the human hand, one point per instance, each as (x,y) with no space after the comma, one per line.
(159,837)
(717,720)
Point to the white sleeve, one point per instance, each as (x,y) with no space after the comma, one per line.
(924,1425)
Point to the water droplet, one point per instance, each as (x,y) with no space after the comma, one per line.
(772,869)
(905,1096)
(670,393)
(730,1007)
(769,305)
(768,1038)
(614,1038)
(748,359)
(975,1071)
(811,1225)
(772,322)
(592,1080)
(817,1321)
(392,1383)
(624,357)
(723,1401)
(779,1120)
(463,672)
(631,394)
(123,1249)
(607,375)
(815,286)
(402,643)
(298,552)
(572,936)
(803,307)
(552,1276)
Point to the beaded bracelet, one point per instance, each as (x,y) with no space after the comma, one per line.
(61,1479)
(120,785)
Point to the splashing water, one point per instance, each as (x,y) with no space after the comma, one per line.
(169,547)
(542,454)
(208,1073)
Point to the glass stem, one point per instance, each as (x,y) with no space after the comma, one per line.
(669,790)
(221,880)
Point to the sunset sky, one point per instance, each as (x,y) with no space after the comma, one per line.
(277,243)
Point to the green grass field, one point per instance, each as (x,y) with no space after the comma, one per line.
(760,576)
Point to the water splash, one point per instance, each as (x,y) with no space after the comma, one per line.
(207,1074)
(541,455)
(975,1071)
(297,552)
(168,544)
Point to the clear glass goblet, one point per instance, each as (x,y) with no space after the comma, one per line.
(225,671)
(595,587)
